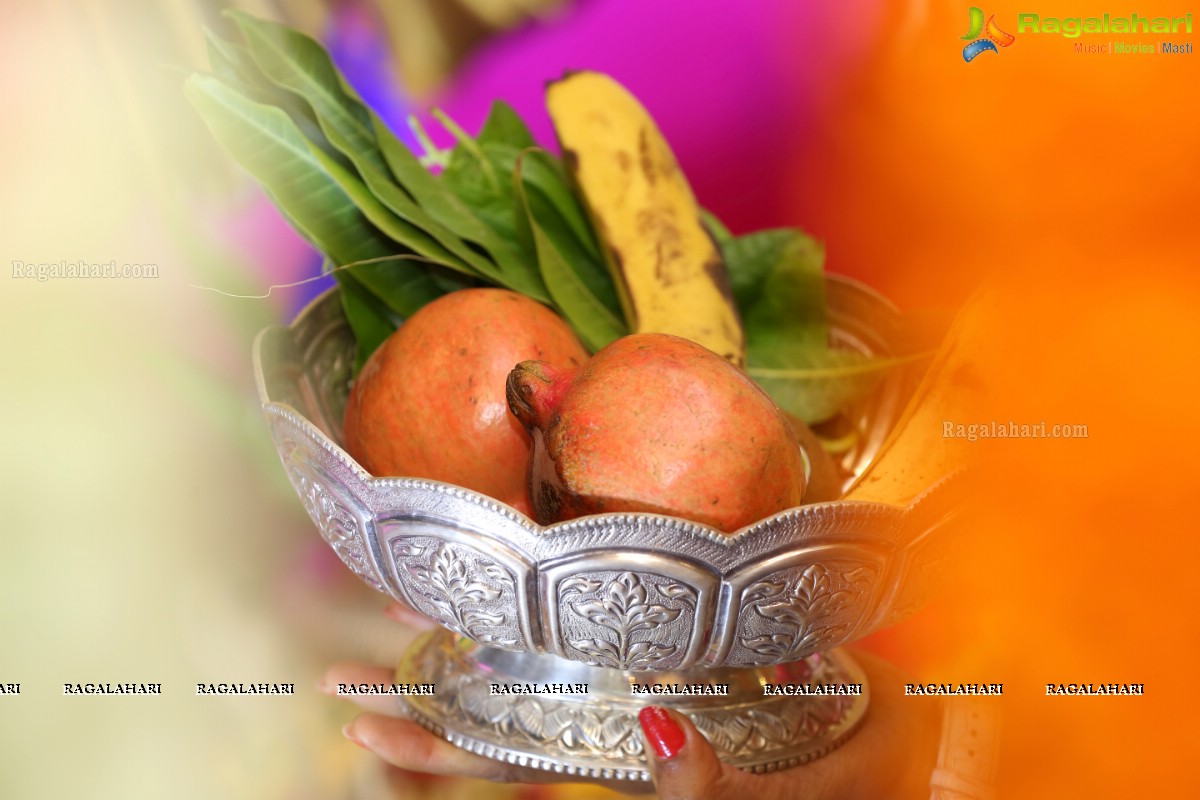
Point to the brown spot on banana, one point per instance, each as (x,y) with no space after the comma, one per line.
(644,156)
(669,272)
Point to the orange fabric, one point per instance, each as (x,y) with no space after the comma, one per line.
(1075,178)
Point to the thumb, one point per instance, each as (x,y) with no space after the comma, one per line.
(681,760)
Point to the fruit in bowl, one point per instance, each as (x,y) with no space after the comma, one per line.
(430,402)
(659,424)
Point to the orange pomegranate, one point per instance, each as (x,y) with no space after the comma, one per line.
(430,402)
(660,424)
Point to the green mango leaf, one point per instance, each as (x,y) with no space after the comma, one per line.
(584,264)
(715,227)
(301,65)
(543,172)
(503,126)
(470,177)
(269,145)
(232,63)
(820,381)
(370,320)
(479,173)
(546,200)
(519,277)
(449,210)
(379,214)
(475,178)
(778,283)
(595,324)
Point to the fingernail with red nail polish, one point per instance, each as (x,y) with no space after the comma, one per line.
(349,734)
(663,733)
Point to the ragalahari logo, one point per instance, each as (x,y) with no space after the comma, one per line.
(984,36)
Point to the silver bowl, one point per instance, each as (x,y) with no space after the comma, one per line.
(613,597)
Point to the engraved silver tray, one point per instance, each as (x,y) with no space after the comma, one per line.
(616,594)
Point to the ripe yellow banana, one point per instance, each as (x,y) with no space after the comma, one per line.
(917,453)
(669,273)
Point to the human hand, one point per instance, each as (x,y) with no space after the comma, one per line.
(402,742)
(890,756)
